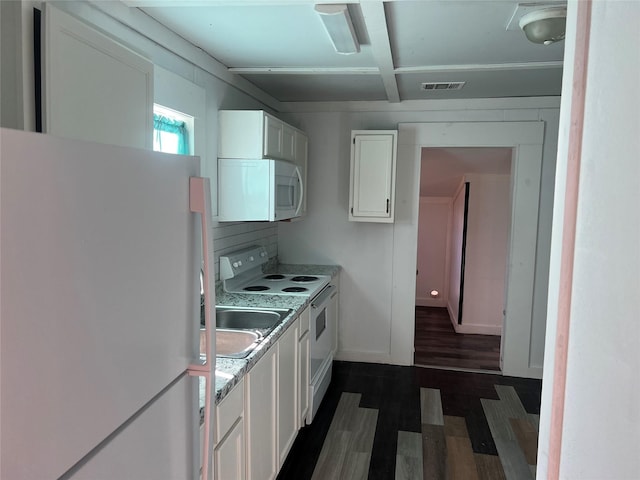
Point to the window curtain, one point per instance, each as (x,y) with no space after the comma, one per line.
(170,135)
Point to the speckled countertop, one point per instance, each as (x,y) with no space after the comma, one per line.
(229,371)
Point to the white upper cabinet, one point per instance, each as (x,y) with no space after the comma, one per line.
(93,87)
(373,175)
(288,143)
(256,134)
(271,139)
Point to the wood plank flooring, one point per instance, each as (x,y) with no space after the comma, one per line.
(438,344)
(412,423)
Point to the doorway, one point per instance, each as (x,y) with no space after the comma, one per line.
(463,229)
(522,337)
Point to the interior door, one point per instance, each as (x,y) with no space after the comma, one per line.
(93,87)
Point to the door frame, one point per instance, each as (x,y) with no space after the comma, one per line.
(526,141)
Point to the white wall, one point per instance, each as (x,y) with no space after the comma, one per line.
(366,251)
(486,253)
(433,251)
(601,428)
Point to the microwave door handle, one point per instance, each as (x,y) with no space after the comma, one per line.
(298,210)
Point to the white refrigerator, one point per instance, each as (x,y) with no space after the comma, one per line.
(100,256)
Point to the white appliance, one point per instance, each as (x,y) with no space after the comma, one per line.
(100,259)
(258,190)
(241,272)
(321,333)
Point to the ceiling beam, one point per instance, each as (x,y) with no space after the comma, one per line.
(305,70)
(376,24)
(480,67)
(472,67)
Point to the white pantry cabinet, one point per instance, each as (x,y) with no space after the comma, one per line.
(260,431)
(256,134)
(229,451)
(287,390)
(94,88)
(373,175)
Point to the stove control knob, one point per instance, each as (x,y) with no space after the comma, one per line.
(251,259)
(239,263)
(235,265)
(263,254)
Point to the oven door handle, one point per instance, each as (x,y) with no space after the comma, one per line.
(321,298)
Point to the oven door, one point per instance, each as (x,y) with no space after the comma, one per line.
(288,190)
(320,332)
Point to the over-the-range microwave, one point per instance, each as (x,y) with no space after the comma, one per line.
(258,190)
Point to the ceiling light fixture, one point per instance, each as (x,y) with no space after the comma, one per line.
(337,23)
(545,26)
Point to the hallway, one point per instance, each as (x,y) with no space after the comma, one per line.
(390,422)
(438,344)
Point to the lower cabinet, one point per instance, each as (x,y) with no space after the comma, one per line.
(276,401)
(229,440)
(229,454)
(287,390)
(260,417)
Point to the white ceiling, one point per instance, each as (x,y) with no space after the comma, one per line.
(282,48)
(442,169)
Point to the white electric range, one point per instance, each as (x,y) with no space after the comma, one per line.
(241,272)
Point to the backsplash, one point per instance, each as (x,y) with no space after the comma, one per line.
(228,237)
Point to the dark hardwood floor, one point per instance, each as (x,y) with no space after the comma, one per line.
(437,343)
(386,422)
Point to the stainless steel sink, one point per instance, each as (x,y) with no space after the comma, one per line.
(261,320)
(239,330)
(236,343)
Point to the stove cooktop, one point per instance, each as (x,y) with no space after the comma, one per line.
(279,284)
(241,272)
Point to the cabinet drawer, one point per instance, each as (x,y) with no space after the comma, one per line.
(304,322)
(229,410)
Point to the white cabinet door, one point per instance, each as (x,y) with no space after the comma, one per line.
(272,137)
(287,390)
(253,134)
(372,180)
(301,156)
(229,454)
(241,133)
(93,87)
(288,143)
(260,416)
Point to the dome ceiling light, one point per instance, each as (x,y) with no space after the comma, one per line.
(545,26)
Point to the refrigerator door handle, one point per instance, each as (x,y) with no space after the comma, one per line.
(200,202)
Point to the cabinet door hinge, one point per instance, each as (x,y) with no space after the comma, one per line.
(353,140)
(351,210)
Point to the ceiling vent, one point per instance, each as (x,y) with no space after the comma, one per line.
(442,85)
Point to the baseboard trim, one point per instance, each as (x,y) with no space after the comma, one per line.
(430,302)
(478,329)
(366,357)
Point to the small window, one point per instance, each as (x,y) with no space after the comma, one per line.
(172,131)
